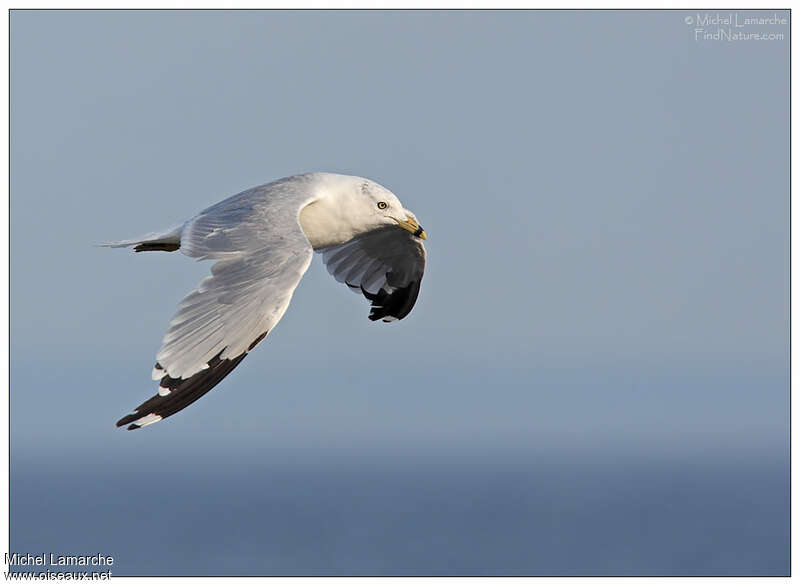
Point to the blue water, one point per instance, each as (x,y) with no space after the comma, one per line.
(384,509)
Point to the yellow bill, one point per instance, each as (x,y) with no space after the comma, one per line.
(412,226)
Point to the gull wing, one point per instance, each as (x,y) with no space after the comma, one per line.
(386,266)
(261,254)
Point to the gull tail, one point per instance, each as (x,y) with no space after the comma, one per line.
(168,241)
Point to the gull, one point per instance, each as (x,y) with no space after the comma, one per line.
(263,240)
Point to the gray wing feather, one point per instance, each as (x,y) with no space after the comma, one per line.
(261,252)
(385,265)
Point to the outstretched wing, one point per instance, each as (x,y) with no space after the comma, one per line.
(261,254)
(385,265)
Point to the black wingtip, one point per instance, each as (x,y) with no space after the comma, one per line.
(127,419)
(184,392)
(395,304)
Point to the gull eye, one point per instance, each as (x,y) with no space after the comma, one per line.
(382,205)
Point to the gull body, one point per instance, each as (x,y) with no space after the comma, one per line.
(262,241)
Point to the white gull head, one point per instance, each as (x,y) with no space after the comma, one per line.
(347,206)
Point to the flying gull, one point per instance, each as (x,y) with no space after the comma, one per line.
(262,241)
